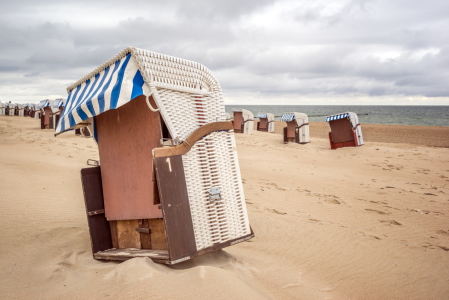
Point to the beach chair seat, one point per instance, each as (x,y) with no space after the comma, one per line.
(168,203)
(345,130)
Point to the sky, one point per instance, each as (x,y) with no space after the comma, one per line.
(318,52)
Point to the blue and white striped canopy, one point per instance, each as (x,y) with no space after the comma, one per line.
(236,109)
(43,104)
(6,104)
(337,117)
(58,103)
(288,117)
(262,116)
(113,87)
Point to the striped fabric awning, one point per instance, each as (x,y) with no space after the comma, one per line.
(6,104)
(58,103)
(43,104)
(288,117)
(236,109)
(262,116)
(111,88)
(337,117)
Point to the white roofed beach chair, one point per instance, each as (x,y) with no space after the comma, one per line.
(46,114)
(243,121)
(266,122)
(19,110)
(161,120)
(12,109)
(345,130)
(2,109)
(297,130)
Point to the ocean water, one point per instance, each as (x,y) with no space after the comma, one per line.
(397,115)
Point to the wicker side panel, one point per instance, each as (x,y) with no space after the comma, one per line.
(186,112)
(213,162)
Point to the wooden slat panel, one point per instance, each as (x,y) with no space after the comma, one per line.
(175,206)
(291,129)
(341,130)
(100,233)
(158,237)
(126,138)
(128,237)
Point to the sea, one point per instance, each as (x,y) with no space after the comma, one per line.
(374,114)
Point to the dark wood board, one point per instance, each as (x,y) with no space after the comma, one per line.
(100,233)
(158,236)
(126,138)
(341,130)
(175,206)
(145,237)
(291,129)
(158,256)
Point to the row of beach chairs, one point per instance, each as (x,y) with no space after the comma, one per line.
(345,130)
(167,184)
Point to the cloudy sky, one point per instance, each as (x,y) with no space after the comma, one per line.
(386,52)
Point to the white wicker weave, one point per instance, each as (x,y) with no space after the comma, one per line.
(12,109)
(270,120)
(2,109)
(213,162)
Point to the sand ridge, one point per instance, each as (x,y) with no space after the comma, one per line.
(354,223)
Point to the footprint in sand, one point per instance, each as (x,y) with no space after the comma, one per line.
(377,211)
(390,222)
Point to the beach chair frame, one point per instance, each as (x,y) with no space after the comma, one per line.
(266,122)
(297,130)
(345,130)
(243,121)
(194,201)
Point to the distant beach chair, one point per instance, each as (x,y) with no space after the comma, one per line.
(228,117)
(266,122)
(26,110)
(46,113)
(297,130)
(169,185)
(35,113)
(345,130)
(243,121)
(19,110)
(2,109)
(11,109)
(56,110)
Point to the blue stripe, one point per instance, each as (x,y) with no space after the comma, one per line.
(95,131)
(89,104)
(76,106)
(118,85)
(101,102)
(137,85)
(71,120)
(64,112)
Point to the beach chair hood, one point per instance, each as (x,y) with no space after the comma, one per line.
(175,84)
(44,104)
(300,118)
(354,119)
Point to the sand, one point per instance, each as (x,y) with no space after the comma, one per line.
(354,223)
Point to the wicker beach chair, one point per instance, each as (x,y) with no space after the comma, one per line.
(2,109)
(297,130)
(266,122)
(56,110)
(243,121)
(134,104)
(11,109)
(345,130)
(19,110)
(46,114)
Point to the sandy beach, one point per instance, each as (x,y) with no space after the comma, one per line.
(355,223)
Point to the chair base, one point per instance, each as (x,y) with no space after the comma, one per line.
(335,146)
